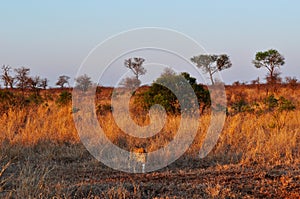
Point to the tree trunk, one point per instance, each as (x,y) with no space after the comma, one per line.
(211,78)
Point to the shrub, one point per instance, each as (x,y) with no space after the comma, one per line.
(271,102)
(292,82)
(64,98)
(34,98)
(281,104)
(159,94)
(240,105)
(103,109)
(286,105)
(7,100)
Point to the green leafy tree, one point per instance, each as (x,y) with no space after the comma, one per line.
(212,63)
(271,60)
(158,94)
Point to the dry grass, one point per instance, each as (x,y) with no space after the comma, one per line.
(41,154)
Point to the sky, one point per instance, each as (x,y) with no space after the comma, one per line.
(53,38)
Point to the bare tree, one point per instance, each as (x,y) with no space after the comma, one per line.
(22,77)
(212,63)
(62,80)
(6,77)
(34,82)
(44,83)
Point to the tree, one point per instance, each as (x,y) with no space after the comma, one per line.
(136,66)
(62,80)
(159,94)
(212,63)
(34,82)
(168,72)
(22,77)
(44,83)
(6,78)
(271,60)
(276,79)
(131,83)
(292,82)
(83,82)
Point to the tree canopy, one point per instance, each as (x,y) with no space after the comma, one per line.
(83,82)
(271,60)
(159,92)
(62,80)
(212,63)
(136,66)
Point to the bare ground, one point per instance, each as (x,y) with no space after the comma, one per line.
(73,173)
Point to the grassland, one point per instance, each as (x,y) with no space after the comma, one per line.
(257,154)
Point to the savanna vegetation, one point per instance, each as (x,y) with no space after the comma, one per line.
(257,154)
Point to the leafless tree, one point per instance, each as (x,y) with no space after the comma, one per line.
(44,83)
(22,77)
(6,77)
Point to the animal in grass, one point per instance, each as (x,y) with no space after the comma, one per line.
(138,159)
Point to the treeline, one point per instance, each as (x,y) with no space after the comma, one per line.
(271,60)
(20,78)
(157,93)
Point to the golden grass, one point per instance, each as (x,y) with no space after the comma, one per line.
(47,133)
(270,137)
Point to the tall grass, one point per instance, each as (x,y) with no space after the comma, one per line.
(35,138)
(267,137)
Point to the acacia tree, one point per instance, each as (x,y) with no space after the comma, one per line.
(272,60)
(6,77)
(136,66)
(212,63)
(62,80)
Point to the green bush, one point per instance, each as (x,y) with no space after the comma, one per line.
(281,104)
(271,102)
(64,98)
(34,98)
(286,105)
(240,106)
(158,94)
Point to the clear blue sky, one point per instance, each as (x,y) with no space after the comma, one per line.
(53,37)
